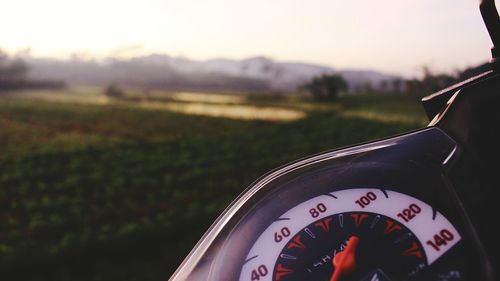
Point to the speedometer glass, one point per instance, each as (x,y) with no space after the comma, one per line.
(348,216)
(404,208)
(351,234)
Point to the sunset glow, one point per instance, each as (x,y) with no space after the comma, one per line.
(389,35)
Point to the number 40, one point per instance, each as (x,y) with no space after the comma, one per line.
(259,272)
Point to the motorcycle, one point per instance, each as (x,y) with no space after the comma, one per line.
(418,206)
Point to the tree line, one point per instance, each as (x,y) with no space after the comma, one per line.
(330,87)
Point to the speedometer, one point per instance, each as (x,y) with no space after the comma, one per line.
(414,207)
(380,211)
(357,233)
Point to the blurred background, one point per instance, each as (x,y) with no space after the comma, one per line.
(126,127)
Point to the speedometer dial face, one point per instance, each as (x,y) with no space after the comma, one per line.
(373,242)
(351,234)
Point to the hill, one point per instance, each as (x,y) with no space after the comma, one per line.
(258,74)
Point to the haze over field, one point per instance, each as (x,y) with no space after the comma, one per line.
(258,74)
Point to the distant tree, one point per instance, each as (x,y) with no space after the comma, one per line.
(367,87)
(16,69)
(14,75)
(113,91)
(473,71)
(326,87)
(397,85)
(383,86)
(431,82)
(3,57)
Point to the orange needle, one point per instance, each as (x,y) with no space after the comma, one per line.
(345,261)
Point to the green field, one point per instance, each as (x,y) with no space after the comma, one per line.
(100,189)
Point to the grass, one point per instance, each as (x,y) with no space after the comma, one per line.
(117,191)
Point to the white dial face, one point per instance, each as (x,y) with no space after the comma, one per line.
(419,233)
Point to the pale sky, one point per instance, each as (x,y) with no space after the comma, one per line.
(395,36)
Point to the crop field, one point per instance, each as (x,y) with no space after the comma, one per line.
(94,188)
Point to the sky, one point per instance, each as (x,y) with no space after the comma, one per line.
(394,36)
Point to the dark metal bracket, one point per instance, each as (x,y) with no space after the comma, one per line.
(491,19)
(435,102)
